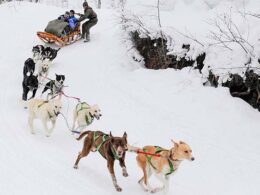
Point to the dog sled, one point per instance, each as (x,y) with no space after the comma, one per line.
(54,34)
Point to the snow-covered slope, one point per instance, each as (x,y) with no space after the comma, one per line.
(151,106)
(196,22)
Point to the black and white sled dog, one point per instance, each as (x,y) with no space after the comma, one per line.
(50,53)
(41,53)
(29,67)
(55,86)
(30,83)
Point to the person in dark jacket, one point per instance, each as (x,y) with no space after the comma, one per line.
(92,16)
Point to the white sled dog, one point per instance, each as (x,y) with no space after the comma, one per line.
(45,111)
(84,114)
(43,70)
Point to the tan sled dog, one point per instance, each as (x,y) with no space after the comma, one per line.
(164,166)
(45,111)
(84,114)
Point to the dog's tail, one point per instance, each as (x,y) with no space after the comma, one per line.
(83,134)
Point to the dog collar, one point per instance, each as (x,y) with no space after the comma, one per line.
(114,152)
(55,114)
(91,115)
(90,119)
(50,115)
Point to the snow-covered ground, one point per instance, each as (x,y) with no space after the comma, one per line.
(151,106)
(195,22)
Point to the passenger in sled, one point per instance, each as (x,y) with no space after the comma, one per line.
(63,25)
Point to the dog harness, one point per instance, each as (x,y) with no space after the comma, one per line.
(114,153)
(104,139)
(44,102)
(83,106)
(158,150)
(51,115)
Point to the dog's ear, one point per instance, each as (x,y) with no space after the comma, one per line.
(125,136)
(181,142)
(174,143)
(111,136)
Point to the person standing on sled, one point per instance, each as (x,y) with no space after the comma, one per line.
(92,16)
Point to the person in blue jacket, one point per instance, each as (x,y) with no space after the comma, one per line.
(72,20)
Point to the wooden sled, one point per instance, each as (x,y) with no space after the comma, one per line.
(60,41)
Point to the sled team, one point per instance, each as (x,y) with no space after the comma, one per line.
(151,159)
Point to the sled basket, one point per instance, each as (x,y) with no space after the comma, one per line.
(60,41)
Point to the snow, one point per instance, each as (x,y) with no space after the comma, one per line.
(151,106)
(195,19)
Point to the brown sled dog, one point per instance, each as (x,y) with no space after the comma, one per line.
(111,148)
(164,166)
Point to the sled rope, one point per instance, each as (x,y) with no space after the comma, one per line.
(67,124)
(139,151)
(73,97)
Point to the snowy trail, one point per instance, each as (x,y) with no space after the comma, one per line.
(223,131)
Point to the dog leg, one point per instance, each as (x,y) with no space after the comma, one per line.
(33,93)
(74,119)
(53,122)
(110,166)
(122,164)
(141,161)
(48,95)
(85,151)
(44,123)
(165,180)
(30,121)
(25,92)
(166,184)
(144,180)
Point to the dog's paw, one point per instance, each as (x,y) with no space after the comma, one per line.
(118,188)
(75,166)
(125,174)
(155,190)
(47,135)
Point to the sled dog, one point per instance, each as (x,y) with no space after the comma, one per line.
(110,147)
(164,166)
(45,111)
(84,114)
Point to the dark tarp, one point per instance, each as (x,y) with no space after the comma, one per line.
(56,27)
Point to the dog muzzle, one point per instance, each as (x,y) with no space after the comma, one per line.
(98,116)
(56,113)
